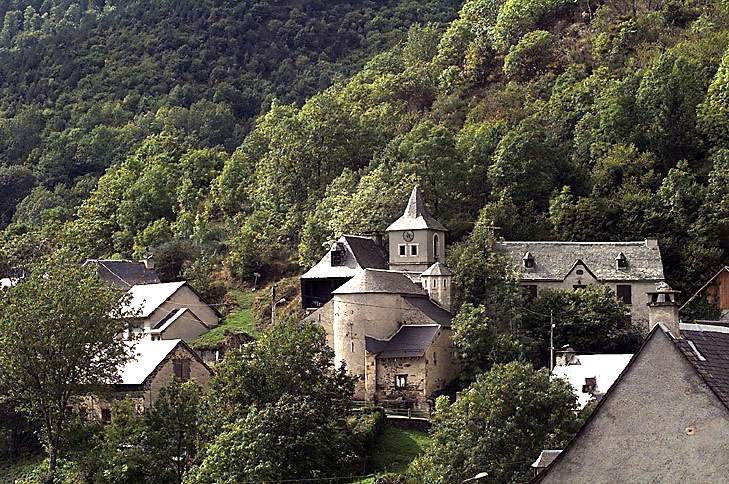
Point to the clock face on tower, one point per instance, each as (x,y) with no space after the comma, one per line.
(408,236)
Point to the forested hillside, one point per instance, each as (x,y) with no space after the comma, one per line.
(82,83)
(554,119)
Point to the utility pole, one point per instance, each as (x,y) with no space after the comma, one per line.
(551,340)
(273,304)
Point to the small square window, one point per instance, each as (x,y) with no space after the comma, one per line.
(402,249)
(414,250)
(401,381)
(181,369)
(105,415)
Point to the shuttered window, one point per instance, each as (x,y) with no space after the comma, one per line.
(624,293)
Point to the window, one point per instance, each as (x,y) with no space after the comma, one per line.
(181,369)
(579,272)
(105,415)
(624,293)
(530,292)
(621,262)
(528,260)
(402,249)
(414,250)
(435,247)
(352,344)
(579,286)
(435,359)
(338,254)
(401,381)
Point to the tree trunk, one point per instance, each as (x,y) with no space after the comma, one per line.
(52,461)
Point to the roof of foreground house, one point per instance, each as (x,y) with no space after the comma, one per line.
(410,341)
(416,215)
(381,281)
(604,368)
(706,346)
(360,253)
(553,261)
(124,273)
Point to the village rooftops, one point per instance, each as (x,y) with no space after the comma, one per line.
(603,368)
(607,261)
(354,252)
(416,216)
(145,358)
(146,298)
(707,348)
(371,281)
(124,273)
(410,341)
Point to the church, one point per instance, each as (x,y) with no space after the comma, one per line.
(385,304)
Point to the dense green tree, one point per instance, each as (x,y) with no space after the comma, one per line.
(589,320)
(714,111)
(530,56)
(74,342)
(499,425)
(480,342)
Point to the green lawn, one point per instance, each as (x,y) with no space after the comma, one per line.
(238,320)
(395,450)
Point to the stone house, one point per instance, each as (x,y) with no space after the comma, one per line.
(153,365)
(124,274)
(349,255)
(715,292)
(630,269)
(666,418)
(391,326)
(169,310)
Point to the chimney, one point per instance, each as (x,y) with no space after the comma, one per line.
(651,243)
(148,261)
(565,355)
(663,308)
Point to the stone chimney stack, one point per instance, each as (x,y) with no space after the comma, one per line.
(437,281)
(148,261)
(565,355)
(663,308)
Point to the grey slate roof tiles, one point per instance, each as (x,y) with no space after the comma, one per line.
(366,252)
(379,281)
(710,356)
(124,273)
(431,310)
(361,253)
(410,341)
(553,261)
(416,215)
(437,269)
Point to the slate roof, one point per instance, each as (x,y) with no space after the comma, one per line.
(410,341)
(380,281)
(431,310)
(124,273)
(416,215)
(707,348)
(553,261)
(361,253)
(437,269)
(146,298)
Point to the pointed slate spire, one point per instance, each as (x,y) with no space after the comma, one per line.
(416,215)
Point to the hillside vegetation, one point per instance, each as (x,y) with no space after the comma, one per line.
(554,119)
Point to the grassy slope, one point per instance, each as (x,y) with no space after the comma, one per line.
(395,450)
(237,321)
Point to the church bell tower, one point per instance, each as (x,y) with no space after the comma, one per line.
(416,239)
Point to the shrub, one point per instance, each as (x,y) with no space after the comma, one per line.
(530,57)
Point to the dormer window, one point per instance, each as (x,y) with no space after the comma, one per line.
(528,260)
(621,262)
(338,254)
